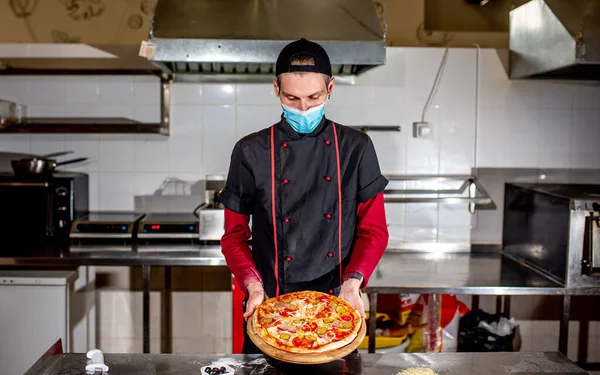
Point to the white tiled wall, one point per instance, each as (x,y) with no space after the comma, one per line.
(485,121)
(509,123)
(539,124)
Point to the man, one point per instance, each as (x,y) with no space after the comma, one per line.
(314,190)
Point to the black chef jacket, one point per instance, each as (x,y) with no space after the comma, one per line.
(306,200)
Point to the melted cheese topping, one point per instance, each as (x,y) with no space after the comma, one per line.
(301,313)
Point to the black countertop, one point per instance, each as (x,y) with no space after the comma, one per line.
(380,364)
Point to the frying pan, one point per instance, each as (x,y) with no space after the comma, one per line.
(41,165)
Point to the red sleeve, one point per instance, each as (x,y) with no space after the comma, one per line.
(236,249)
(372,238)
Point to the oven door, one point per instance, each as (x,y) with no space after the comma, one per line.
(27,211)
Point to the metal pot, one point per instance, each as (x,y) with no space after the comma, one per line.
(41,165)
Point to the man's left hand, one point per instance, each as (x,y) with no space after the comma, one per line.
(350,293)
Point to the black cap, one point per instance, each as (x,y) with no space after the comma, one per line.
(303,47)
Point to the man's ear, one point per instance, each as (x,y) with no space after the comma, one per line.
(331,86)
(275,87)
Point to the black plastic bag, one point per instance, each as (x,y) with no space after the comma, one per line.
(472,338)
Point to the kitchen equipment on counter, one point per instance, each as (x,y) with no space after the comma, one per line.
(213,186)
(172,231)
(6,158)
(37,210)
(21,113)
(7,112)
(555,228)
(211,214)
(211,224)
(42,164)
(12,113)
(105,231)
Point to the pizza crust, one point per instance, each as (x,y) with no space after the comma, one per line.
(297,307)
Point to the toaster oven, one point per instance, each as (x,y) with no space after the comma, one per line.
(555,228)
(38,210)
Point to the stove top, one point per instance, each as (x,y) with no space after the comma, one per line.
(106,225)
(168,226)
(170,217)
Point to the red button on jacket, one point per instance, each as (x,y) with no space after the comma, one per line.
(328,142)
(284,145)
(286,181)
(288,259)
(327,178)
(287,219)
(328,216)
(371,242)
(330,254)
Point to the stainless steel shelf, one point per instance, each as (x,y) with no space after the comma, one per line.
(471,191)
(378,128)
(85,125)
(98,125)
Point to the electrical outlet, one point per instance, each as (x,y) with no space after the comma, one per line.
(422,130)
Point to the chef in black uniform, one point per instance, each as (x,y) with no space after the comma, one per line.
(314,191)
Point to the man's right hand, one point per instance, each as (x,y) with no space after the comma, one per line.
(256,296)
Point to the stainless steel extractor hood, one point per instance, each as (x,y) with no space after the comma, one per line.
(555,39)
(216,39)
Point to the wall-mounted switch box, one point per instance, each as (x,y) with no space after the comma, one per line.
(422,130)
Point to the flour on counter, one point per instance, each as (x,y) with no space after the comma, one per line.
(417,371)
(226,362)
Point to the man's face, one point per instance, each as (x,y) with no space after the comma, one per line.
(302,90)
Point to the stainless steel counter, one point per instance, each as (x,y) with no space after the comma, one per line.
(466,273)
(463,273)
(398,272)
(159,256)
(386,364)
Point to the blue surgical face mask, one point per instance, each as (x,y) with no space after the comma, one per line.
(304,122)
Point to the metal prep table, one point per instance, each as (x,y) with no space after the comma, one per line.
(444,273)
(466,273)
(196,255)
(381,364)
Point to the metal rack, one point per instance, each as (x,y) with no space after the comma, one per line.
(378,128)
(98,125)
(471,191)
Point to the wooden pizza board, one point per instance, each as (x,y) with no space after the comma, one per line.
(306,358)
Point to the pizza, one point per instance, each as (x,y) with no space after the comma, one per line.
(306,322)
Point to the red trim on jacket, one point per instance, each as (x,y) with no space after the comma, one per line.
(372,238)
(236,249)
(371,242)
